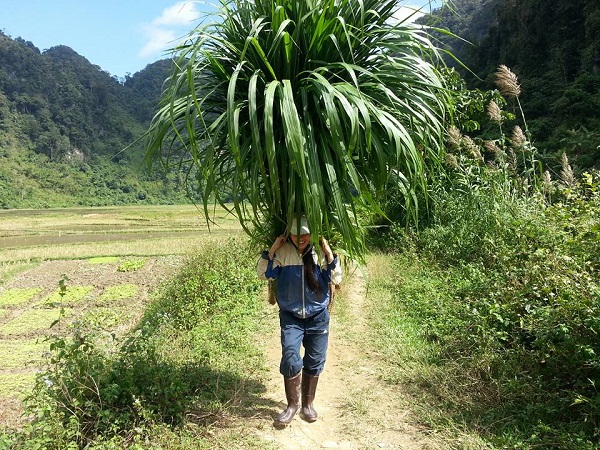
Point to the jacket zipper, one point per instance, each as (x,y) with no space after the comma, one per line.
(303,299)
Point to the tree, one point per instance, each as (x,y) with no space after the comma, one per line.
(309,107)
(53,144)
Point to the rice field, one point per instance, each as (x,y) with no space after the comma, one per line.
(62,267)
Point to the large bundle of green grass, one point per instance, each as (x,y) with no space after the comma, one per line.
(312,106)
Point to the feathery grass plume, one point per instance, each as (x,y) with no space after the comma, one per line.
(517,137)
(500,156)
(547,183)
(494,112)
(453,137)
(566,173)
(491,147)
(507,82)
(472,148)
(492,165)
(451,161)
(512,161)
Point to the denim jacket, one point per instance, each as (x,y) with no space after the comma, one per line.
(293,293)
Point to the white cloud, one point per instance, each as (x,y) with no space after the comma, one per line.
(409,12)
(157,41)
(182,13)
(163,31)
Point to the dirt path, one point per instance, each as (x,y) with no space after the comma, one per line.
(357,410)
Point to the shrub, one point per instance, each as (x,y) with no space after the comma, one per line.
(212,280)
(520,298)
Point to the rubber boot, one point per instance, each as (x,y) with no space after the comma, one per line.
(292,394)
(309,387)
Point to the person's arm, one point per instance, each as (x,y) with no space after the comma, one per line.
(326,249)
(334,269)
(277,245)
(266,268)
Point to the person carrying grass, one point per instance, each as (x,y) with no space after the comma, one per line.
(303,295)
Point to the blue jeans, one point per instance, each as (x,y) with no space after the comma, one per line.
(313,334)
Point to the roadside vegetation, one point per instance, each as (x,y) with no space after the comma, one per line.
(183,363)
(491,317)
(487,316)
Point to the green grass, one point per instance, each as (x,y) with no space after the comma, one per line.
(18,353)
(490,320)
(32,321)
(103,260)
(131,265)
(16,385)
(118,292)
(411,356)
(18,296)
(72,295)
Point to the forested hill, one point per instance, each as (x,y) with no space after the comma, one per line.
(64,123)
(554,48)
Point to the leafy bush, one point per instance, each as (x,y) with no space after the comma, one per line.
(213,280)
(520,298)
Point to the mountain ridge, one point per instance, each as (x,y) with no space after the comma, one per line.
(60,112)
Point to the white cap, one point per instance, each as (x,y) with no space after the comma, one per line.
(303,226)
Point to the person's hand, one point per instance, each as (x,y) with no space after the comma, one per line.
(326,249)
(279,241)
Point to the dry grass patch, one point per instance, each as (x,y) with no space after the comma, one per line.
(10,269)
(380,267)
(110,234)
(358,402)
(110,319)
(141,247)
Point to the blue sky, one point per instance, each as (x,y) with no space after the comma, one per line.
(119,36)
